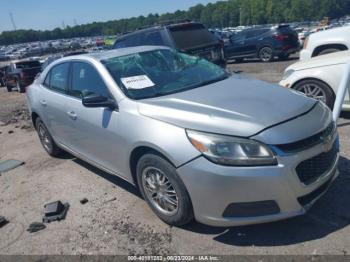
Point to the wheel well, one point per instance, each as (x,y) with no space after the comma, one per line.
(321,48)
(34,118)
(135,156)
(313,79)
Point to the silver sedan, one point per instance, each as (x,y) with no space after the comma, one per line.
(197,142)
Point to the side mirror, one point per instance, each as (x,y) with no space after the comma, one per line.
(99,101)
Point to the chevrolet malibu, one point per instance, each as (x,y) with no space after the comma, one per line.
(197,142)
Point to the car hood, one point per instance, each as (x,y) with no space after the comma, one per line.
(236,106)
(320,61)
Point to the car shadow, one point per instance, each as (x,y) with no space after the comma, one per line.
(256,60)
(117,181)
(328,215)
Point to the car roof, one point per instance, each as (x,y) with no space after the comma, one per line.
(341,57)
(104,55)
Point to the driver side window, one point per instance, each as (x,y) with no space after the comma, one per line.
(87,81)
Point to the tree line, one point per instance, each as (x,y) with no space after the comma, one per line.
(219,14)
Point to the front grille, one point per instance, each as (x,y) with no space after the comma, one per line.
(310,170)
(308,142)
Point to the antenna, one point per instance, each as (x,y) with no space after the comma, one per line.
(13,21)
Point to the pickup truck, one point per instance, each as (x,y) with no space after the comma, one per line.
(21,74)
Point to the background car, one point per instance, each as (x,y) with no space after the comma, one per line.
(263,43)
(319,77)
(190,37)
(21,74)
(325,42)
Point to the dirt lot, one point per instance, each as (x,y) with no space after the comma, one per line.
(117,221)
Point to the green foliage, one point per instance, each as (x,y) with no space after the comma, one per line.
(220,14)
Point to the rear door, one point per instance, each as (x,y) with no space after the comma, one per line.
(53,102)
(236,47)
(254,39)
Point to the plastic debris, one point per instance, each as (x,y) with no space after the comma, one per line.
(35,227)
(9,165)
(84,201)
(3,221)
(55,211)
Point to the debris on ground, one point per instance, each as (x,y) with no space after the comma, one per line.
(55,211)
(84,201)
(110,200)
(11,132)
(35,227)
(9,165)
(18,115)
(3,221)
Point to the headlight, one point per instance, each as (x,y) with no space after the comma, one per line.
(288,73)
(231,151)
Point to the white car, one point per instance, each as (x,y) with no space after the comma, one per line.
(318,77)
(326,42)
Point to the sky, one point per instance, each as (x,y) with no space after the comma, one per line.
(49,14)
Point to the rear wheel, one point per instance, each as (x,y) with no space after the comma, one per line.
(317,90)
(163,190)
(266,54)
(46,139)
(9,88)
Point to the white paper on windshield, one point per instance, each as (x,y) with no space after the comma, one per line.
(137,82)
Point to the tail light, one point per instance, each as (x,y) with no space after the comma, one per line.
(280,37)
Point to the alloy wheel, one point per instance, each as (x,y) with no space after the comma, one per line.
(160,191)
(44,138)
(313,91)
(266,54)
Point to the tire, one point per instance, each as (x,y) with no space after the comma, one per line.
(9,88)
(149,167)
(328,51)
(22,89)
(309,87)
(266,54)
(46,139)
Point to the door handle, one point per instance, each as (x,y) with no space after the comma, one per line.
(43,102)
(72,115)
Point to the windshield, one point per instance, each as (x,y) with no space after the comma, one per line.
(190,36)
(161,72)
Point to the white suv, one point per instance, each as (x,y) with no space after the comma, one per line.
(326,42)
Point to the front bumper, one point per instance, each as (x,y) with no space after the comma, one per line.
(213,188)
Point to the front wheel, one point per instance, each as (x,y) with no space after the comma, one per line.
(318,90)
(266,54)
(163,190)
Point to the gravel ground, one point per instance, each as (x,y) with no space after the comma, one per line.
(116,220)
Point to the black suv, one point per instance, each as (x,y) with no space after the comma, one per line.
(186,36)
(263,43)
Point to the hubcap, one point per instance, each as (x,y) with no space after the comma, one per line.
(313,91)
(159,191)
(266,54)
(44,138)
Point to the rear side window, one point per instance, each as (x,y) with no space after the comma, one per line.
(59,77)
(152,38)
(87,81)
(192,35)
(127,42)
